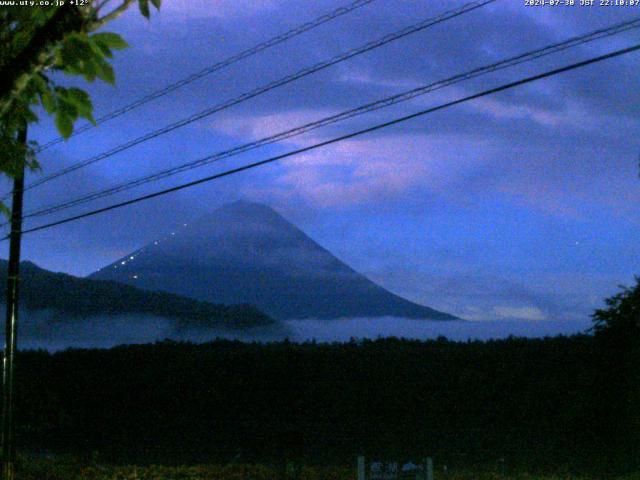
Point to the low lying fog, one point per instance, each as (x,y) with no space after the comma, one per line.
(50,331)
(344,329)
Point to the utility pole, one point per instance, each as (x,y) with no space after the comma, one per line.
(11,327)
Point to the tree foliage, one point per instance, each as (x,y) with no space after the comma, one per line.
(37,41)
(550,402)
(621,319)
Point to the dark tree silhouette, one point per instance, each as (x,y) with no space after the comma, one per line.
(621,320)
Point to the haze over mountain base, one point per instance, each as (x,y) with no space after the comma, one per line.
(37,330)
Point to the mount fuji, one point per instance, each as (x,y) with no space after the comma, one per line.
(247,253)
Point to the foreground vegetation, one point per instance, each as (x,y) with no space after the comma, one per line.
(56,470)
(534,403)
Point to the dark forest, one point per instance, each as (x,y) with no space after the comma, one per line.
(565,401)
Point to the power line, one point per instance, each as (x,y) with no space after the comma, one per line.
(357,133)
(294,32)
(270,86)
(388,101)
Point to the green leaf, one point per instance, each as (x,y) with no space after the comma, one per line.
(39,82)
(71,70)
(67,59)
(156,3)
(110,40)
(64,124)
(101,49)
(89,116)
(144,8)
(68,109)
(79,98)
(4,210)
(82,102)
(89,70)
(48,102)
(104,71)
(79,48)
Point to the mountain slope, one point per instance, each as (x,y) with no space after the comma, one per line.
(72,298)
(247,253)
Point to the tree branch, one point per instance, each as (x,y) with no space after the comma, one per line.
(112,15)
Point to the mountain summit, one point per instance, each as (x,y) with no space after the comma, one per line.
(248,253)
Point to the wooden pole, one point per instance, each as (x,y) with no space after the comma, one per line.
(11,325)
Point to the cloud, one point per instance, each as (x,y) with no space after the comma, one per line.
(346,329)
(53,331)
(354,172)
(508,111)
(255,127)
(367,78)
(461,283)
(109,331)
(374,169)
(226,9)
(520,313)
